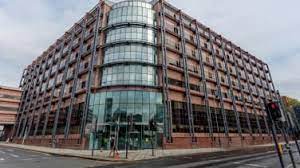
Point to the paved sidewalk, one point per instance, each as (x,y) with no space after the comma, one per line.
(132,155)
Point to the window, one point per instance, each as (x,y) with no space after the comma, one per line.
(132,13)
(207,59)
(191,37)
(220,65)
(177,46)
(222,79)
(175,82)
(119,104)
(59,78)
(179,117)
(3,108)
(205,45)
(62,63)
(51,83)
(83,84)
(225,95)
(233,83)
(88,47)
(194,87)
(195,69)
(133,33)
(210,75)
(193,53)
(70,89)
(178,64)
(176,30)
(86,65)
(130,52)
(91,30)
(129,75)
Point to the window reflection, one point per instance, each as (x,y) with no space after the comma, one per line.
(129,75)
(142,34)
(115,106)
(135,13)
(130,52)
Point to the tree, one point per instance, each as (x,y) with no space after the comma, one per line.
(291,102)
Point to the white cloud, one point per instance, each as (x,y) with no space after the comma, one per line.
(29,27)
(267,29)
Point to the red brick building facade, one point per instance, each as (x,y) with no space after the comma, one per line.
(139,61)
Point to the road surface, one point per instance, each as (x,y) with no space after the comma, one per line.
(257,160)
(18,158)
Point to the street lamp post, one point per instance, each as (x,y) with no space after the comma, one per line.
(129,124)
(153,127)
(94,134)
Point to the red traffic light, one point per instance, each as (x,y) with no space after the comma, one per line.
(274,110)
(273,106)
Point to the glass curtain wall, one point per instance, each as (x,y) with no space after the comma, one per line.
(129,59)
(111,111)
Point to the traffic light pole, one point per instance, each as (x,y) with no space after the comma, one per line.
(274,135)
(126,148)
(288,147)
(276,143)
(152,142)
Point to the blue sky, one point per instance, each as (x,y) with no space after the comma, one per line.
(268,29)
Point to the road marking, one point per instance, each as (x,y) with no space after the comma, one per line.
(1,159)
(255,165)
(10,150)
(200,163)
(187,157)
(2,152)
(27,159)
(252,165)
(13,155)
(290,165)
(194,164)
(46,154)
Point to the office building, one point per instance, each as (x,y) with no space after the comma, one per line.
(124,64)
(9,103)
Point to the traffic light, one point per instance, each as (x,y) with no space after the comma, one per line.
(274,110)
(152,125)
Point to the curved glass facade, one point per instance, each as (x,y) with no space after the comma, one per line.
(130,52)
(132,33)
(130,43)
(129,74)
(134,11)
(116,105)
(111,111)
(129,59)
